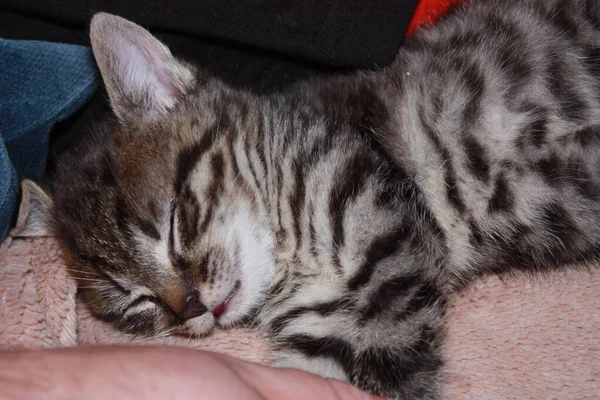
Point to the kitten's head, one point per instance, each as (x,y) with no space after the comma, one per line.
(153,209)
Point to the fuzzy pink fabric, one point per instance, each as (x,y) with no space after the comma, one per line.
(506,340)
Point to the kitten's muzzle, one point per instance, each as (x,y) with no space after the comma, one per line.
(192,307)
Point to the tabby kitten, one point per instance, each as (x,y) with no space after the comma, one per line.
(340,214)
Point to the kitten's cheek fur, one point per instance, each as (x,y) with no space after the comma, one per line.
(256,266)
(239,306)
(251,294)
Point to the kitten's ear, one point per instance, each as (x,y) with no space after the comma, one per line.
(34,212)
(142,77)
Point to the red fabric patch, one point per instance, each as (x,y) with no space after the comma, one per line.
(427,12)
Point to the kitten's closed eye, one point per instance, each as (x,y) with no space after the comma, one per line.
(149,228)
(146,299)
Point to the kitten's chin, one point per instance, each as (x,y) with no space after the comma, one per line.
(200,326)
(240,306)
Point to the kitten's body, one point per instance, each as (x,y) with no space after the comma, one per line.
(348,208)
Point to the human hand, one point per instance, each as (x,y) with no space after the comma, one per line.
(157,373)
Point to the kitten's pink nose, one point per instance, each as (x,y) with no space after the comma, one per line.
(193,307)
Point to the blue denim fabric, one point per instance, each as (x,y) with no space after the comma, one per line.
(41,83)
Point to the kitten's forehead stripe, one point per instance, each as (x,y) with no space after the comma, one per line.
(188,216)
(297,199)
(217,169)
(236,172)
(232,158)
(189,157)
(203,270)
(248,147)
(215,188)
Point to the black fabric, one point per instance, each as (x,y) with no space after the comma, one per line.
(259,71)
(239,65)
(349,33)
(290,40)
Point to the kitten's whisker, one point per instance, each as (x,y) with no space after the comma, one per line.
(75,272)
(189,340)
(80,270)
(157,336)
(80,278)
(94,287)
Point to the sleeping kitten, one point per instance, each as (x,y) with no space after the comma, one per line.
(341,214)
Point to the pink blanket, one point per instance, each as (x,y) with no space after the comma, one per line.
(506,340)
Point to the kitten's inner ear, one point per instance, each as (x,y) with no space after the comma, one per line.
(34,217)
(142,77)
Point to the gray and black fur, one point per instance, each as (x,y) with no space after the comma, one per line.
(347,209)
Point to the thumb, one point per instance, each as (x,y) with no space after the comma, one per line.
(341,390)
(292,384)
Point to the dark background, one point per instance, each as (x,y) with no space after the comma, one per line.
(254,44)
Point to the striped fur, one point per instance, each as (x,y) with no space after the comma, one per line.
(348,208)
